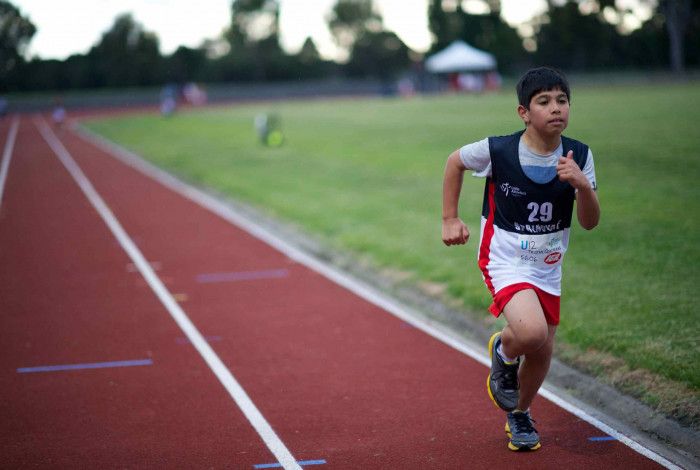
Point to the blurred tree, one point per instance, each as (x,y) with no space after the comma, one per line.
(372,51)
(185,65)
(15,33)
(254,38)
(378,54)
(126,55)
(51,74)
(253,21)
(681,19)
(646,47)
(76,72)
(350,19)
(609,43)
(309,53)
(40,74)
(308,61)
(678,18)
(448,21)
(692,44)
(568,39)
(308,64)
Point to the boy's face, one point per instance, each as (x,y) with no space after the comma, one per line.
(548,113)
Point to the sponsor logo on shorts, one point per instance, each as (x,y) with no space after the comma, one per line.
(552,257)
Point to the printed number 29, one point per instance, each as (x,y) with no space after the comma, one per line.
(540,213)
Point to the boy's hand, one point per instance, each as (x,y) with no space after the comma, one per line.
(569,171)
(454,232)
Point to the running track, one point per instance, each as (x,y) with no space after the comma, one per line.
(142,330)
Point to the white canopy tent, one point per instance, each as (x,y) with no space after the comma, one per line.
(460,57)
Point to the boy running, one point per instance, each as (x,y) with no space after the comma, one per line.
(532,179)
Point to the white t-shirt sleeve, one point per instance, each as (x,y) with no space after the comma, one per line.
(477,157)
(589,170)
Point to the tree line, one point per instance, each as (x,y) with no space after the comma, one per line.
(573,35)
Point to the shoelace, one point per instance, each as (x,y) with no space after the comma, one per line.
(522,424)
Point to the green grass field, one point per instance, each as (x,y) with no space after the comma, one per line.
(366,176)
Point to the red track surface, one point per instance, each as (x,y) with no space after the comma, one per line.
(338,378)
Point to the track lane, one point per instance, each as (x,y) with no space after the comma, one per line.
(337,377)
(7,152)
(69,295)
(180,317)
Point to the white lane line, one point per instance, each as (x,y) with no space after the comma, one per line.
(7,155)
(268,435)
(361,289)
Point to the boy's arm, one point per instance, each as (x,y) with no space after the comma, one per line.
(587,205)
(454,231)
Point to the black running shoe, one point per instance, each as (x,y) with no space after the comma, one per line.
(522,434)
(502,382)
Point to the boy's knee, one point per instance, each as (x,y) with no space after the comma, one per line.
(533,339)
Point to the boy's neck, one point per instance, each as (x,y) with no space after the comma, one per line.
(542,144)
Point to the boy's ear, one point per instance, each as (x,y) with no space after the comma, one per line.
(524,114)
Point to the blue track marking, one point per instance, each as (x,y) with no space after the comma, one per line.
(92,365)
(279,465)
(241,276)
(601,438)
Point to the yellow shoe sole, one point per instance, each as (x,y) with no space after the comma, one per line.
(516,448)
(488,379)
(524,448)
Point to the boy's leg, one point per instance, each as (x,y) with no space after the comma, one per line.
(526,330)
(528,334)
(533,370)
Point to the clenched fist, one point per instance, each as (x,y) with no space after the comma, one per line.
(454,232)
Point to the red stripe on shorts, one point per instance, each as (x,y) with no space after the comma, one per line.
(550,303)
